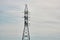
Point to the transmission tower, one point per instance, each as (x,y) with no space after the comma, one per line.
(26,35)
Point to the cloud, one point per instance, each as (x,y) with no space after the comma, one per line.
(8,18)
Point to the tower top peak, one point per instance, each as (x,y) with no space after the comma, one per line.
(26,7)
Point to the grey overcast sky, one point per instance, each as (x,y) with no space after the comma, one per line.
(44,19)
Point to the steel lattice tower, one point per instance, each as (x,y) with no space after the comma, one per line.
(26,35)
